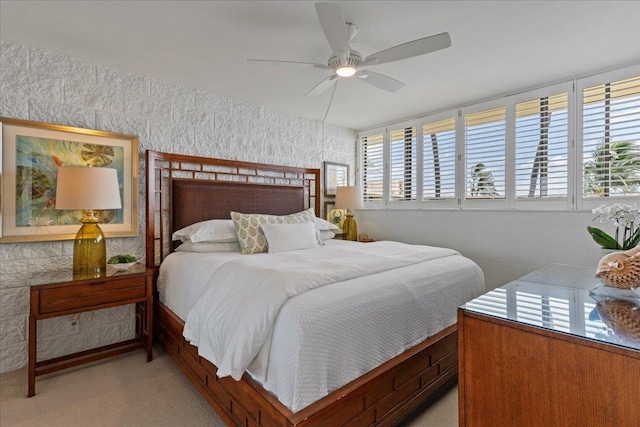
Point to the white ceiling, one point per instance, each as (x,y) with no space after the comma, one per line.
(498,47)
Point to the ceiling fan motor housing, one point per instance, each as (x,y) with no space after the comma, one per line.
(353,60)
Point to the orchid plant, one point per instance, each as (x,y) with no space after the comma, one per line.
(627,236)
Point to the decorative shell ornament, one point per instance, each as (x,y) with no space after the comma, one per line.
(620,269)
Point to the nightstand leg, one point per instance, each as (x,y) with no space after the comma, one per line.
(32,356)
(149,313)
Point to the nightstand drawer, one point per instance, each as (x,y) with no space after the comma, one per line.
(91,294)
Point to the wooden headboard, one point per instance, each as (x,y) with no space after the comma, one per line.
(182,190)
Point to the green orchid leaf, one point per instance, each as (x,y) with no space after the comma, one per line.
(633,240)
(603,239)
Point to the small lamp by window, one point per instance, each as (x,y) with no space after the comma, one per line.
(349,197)
(88,189)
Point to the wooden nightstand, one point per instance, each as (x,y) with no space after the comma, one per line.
(58,293)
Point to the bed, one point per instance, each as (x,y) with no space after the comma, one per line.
(183,190)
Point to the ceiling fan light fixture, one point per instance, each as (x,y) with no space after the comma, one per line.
(346,71)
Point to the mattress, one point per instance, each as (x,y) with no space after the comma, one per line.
(330,335)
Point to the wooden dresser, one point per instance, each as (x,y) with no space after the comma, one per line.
(536,352)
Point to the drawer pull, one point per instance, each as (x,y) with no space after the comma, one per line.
(98,283)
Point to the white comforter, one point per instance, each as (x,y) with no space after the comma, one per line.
(305,347)
(232,319)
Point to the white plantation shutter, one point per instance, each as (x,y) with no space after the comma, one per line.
(402,164)
(439,160)
(569,145)
(372,170)
(542,132)
(484,147)
(611,139)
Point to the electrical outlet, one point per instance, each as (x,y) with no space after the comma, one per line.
(73,324)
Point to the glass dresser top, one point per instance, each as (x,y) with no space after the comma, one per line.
(557,297)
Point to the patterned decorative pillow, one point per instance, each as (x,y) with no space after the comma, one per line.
(251,236)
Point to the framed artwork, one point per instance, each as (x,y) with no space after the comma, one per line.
(30,156)
(333,215)
(335,175)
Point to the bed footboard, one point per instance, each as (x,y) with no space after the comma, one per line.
(382,397)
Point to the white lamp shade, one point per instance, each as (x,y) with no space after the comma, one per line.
(349,197)
(87,188)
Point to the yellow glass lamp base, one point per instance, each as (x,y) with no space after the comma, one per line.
(89,249)
(349,228)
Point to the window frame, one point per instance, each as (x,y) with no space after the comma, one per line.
(402,204)
(375,204)
(574,168)
(583,203)
(468,203)
(434,203)
(560,203)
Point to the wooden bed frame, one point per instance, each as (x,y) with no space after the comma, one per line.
(182,190)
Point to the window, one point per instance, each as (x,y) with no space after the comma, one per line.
(484,142)
(372,154)
(571,145)
(403,161)
(439,164)
(542,140)
(610,139)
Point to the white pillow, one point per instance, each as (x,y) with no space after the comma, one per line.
(324,225)
(290,237)
(250,235)
(209,247)
(326,235)
(214,230)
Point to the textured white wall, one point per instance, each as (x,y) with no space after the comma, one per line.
(48,87)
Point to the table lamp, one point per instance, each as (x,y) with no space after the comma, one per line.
(88,189)
(349,197)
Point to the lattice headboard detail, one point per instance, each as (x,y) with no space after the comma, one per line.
(212,184)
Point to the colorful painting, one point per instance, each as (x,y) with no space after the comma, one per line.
(37,161)
(31,155)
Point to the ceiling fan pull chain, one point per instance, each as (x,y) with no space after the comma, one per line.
(330,101)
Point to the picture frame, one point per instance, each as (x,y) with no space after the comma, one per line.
(29,156)
(328,206)
(335,175)
(333,215)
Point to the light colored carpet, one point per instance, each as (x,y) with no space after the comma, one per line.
(127,391)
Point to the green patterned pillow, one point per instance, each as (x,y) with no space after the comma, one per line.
(251,236)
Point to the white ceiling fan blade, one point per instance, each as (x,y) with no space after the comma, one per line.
(335,29)
(322,86)
(380,81)
(294,63)
(409,49)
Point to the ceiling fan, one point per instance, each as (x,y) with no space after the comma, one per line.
(346,62)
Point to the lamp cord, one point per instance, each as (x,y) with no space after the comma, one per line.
(330,101)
